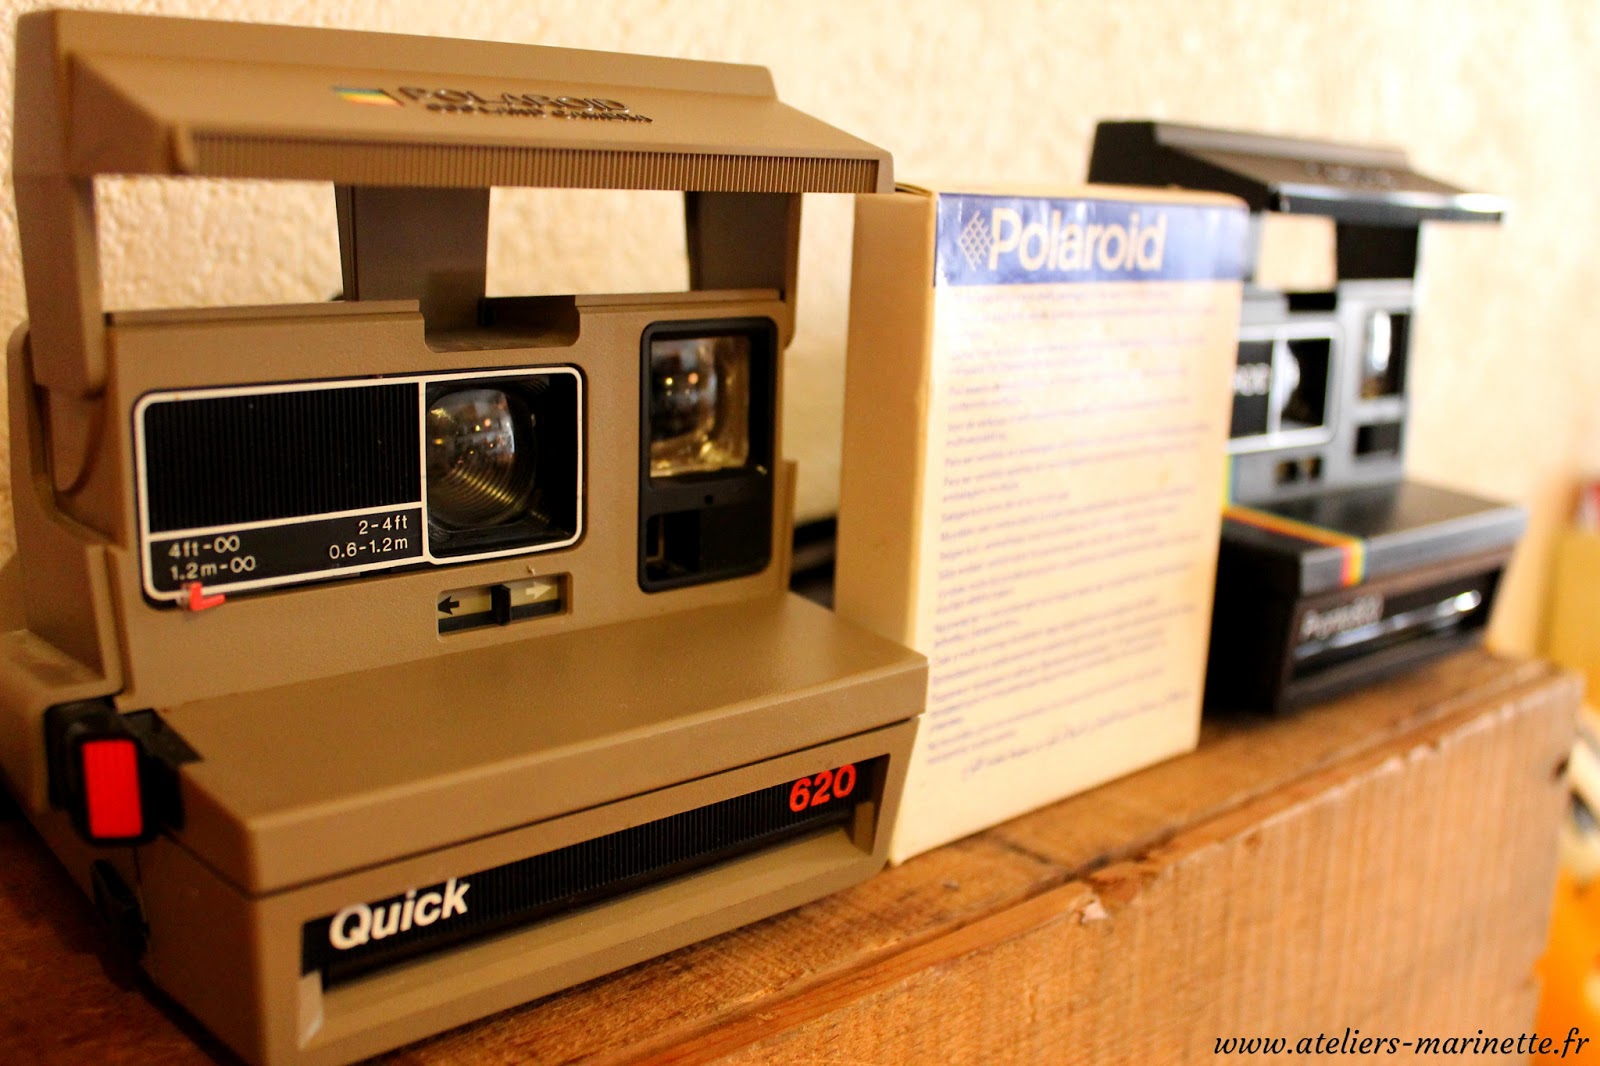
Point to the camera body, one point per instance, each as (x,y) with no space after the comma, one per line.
(379,664)
(1334,569)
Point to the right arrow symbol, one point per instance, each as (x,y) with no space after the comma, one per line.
(449,605)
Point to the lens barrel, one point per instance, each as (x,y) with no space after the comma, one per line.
(501,461)
(481,458)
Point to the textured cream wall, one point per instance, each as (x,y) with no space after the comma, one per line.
(1495,96)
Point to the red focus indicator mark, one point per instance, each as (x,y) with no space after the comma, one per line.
(819,789)
(111,789)
(200,600)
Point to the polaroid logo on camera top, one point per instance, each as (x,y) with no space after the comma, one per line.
(1009,240)
(362,923)
(504,104)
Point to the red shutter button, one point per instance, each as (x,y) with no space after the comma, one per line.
(113,805)
(115,773)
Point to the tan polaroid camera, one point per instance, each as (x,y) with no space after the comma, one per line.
(383,663)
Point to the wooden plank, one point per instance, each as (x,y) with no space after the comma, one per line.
(1243,757)
(1252,885)
(1402,893)
(688,994)
(67,998)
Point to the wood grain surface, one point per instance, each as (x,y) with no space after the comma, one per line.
(1382,863)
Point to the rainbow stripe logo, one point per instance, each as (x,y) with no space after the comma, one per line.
(1354,549)
(376,97)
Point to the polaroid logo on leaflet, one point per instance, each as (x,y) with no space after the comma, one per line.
(1056,244)
(985,239)
(362,923)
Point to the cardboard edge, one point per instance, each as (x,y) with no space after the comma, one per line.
(890,330)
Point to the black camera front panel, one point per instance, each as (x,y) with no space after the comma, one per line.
(254,487)
(1283,385)
(1319,398)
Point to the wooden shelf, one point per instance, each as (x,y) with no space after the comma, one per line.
(1384,863)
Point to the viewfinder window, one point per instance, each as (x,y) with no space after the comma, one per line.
(1383,371)
(708,399)
(699,404)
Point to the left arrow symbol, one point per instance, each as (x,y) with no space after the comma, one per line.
(449,605)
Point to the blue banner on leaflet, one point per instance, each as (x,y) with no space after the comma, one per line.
(1028,240)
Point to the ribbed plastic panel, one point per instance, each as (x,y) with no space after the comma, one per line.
(234,459)
(474,166)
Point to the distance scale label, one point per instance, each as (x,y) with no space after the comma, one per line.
(295,549)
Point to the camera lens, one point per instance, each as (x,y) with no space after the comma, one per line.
(481,458)
(699,404)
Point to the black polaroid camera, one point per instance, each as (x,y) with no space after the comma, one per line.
(1333,570)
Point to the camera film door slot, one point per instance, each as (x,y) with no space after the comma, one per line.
(1369,623)
(364,938)
(1335,589)
(254,487)
(1302,650)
